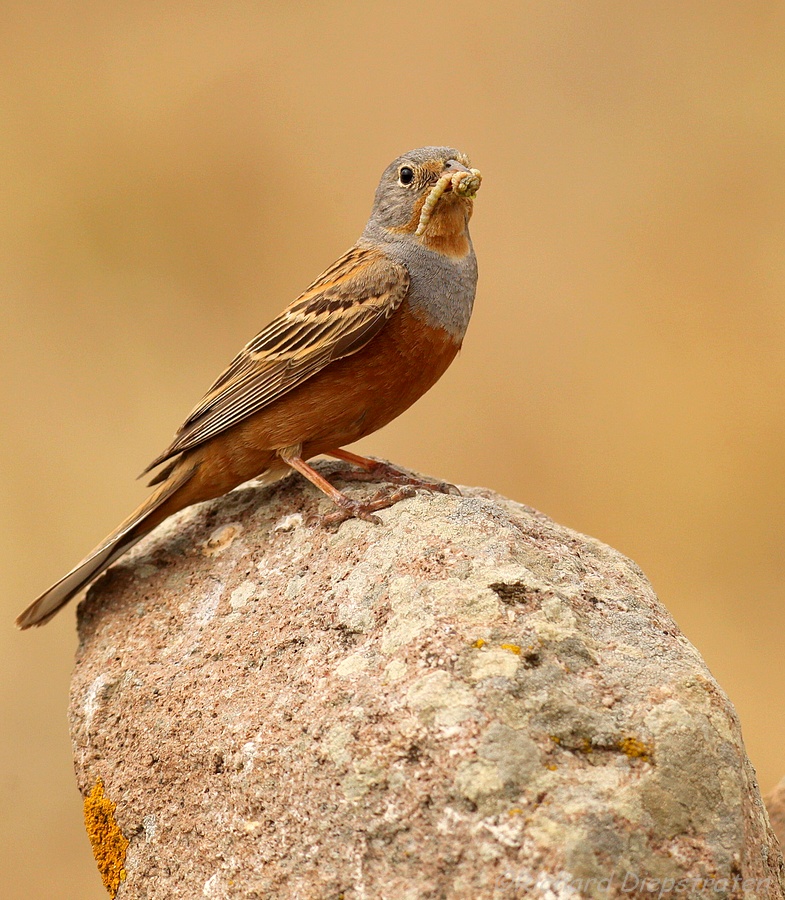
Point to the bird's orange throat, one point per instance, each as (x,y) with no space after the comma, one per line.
(448,227)
(447,230)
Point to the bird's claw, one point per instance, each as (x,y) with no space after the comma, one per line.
(384,472)
(356,509)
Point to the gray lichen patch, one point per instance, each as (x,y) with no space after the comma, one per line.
(410,614)
(440,699)
(515,755)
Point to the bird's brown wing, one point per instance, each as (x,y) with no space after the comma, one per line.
(335,317)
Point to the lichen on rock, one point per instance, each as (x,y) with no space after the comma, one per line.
(108,842)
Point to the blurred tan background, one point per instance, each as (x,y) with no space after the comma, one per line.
(172,174)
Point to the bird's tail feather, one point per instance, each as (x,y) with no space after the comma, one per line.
(133,529)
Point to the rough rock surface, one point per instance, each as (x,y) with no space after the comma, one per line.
(775,805)
(467,701)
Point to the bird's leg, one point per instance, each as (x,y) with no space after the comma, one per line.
(373,470)
(347,508)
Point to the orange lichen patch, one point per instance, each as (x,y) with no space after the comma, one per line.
(513,648)
(479,643)
(634,748)
(515,811)
(108,842)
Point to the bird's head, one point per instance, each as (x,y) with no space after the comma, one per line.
(428,194)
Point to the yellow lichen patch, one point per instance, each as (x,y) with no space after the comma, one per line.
(512,648)
(108,842)
(515,811)
(635,749)
(479,643)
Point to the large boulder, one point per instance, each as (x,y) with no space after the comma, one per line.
(467,701)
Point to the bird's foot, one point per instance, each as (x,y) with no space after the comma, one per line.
(365,509)
(380,471)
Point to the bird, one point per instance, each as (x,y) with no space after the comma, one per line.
(361,344)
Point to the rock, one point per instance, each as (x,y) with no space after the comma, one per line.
(775,805)
(467,701)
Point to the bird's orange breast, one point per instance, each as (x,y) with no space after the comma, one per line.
(345,401)
(364,392)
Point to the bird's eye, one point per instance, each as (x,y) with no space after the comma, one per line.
(406,175)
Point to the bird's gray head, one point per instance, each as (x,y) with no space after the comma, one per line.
(426,193)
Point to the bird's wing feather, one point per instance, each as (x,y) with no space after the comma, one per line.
(336,316)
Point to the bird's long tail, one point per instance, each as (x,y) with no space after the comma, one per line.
(158,506)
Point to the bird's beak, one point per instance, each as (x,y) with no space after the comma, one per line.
(452,165)
(463,181)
